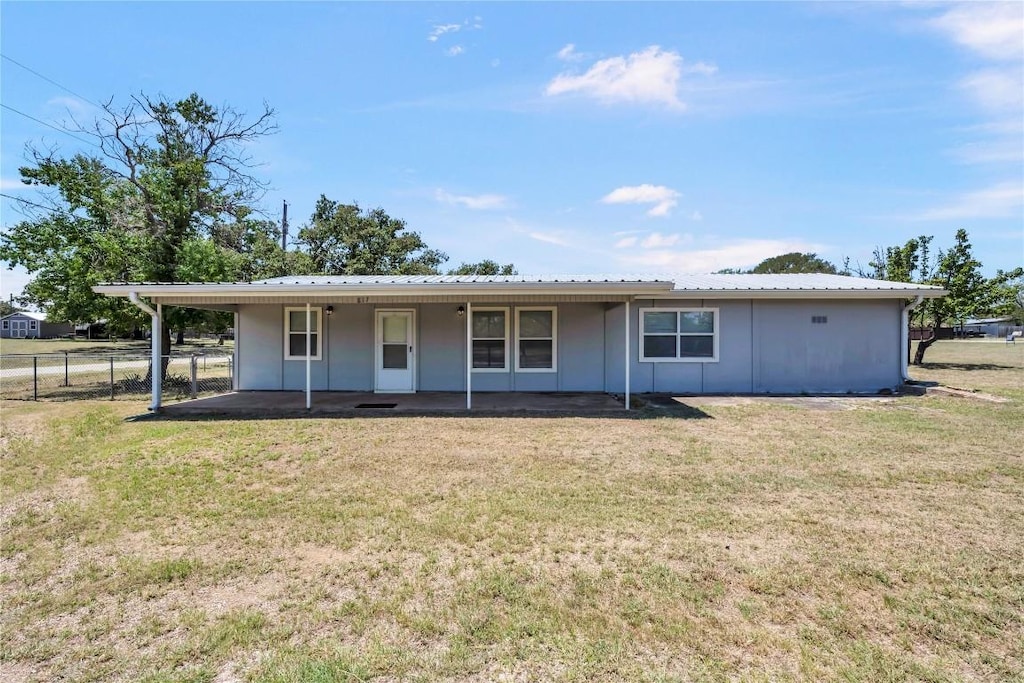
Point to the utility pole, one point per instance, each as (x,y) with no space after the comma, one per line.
(284,227)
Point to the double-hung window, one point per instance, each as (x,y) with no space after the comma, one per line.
(295,333)
(536,333)
(679,335)
(490,339)
(32,324)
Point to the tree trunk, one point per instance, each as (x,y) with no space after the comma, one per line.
(923,345)
(181,337)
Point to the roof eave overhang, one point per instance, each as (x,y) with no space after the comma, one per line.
(800,294)
(243,291)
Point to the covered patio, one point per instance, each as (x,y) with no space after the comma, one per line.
(270,404)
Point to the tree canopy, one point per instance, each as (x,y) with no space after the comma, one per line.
(342,239)
(485,267)
(166,179)
(793,262)
(956,270)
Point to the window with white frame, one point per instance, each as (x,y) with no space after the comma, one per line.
(295,333)
(536,336)
(32,324)
(679,335)
(490,339)
(7,324)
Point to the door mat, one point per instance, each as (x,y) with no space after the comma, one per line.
(376,405)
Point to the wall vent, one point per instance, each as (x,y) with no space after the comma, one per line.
(819,319)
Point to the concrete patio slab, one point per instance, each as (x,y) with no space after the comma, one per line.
(269,404)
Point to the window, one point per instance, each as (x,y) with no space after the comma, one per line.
(535,339)
(490,338)
(32,324)
(295,333)
(7,324)
(679,335)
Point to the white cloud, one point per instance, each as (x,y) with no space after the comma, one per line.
(569,54)
(9,184)
(480,202)
(696,216)
(992,29)
(1003,200)
(72,104)
(658,241)
(441,29)
(647,77)
(996,88)
(550,238)
(990,152)
(455,51)
(663,198)
(737,254)
(626,242)
(495,62)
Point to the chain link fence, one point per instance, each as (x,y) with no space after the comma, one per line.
(70,376)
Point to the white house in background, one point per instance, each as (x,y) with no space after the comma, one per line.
(31,325)
(602,333)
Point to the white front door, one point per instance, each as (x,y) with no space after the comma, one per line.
(395,352)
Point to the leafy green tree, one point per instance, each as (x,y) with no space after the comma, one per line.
(342,239)
(166,175)
(794,262)
(6,308)
(971,294)
(485,267)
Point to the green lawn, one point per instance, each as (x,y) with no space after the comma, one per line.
(761,541)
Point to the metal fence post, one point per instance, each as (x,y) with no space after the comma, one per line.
(111,378)
(35,378)
(195,373)
(66,382)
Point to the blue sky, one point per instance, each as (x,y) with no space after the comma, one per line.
(578,137)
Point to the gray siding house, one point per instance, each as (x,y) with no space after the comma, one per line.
(622,334)
(31,325)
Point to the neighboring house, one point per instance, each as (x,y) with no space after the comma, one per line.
(31,325)
(680,335)
(990,327)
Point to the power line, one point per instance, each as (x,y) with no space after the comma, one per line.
(49,125)
(49,80)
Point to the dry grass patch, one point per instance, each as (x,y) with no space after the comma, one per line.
(767,542)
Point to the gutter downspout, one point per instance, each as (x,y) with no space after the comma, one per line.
(905,338)
(155,334)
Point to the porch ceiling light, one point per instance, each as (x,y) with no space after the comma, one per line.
(330,310)
(461,310)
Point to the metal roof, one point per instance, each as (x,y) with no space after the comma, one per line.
(458,279)
(41,317)
(637,286)
(814,282)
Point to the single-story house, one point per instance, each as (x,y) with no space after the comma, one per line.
(990,327)
(616,334)
(31,325)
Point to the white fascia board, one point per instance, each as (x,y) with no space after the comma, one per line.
(246,290)
(800,294)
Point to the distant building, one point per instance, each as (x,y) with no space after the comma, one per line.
(31,325)
(990,327)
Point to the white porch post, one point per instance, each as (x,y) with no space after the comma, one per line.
(157,374)
(309,352)
(469,355)
(234,354)
(627,354)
